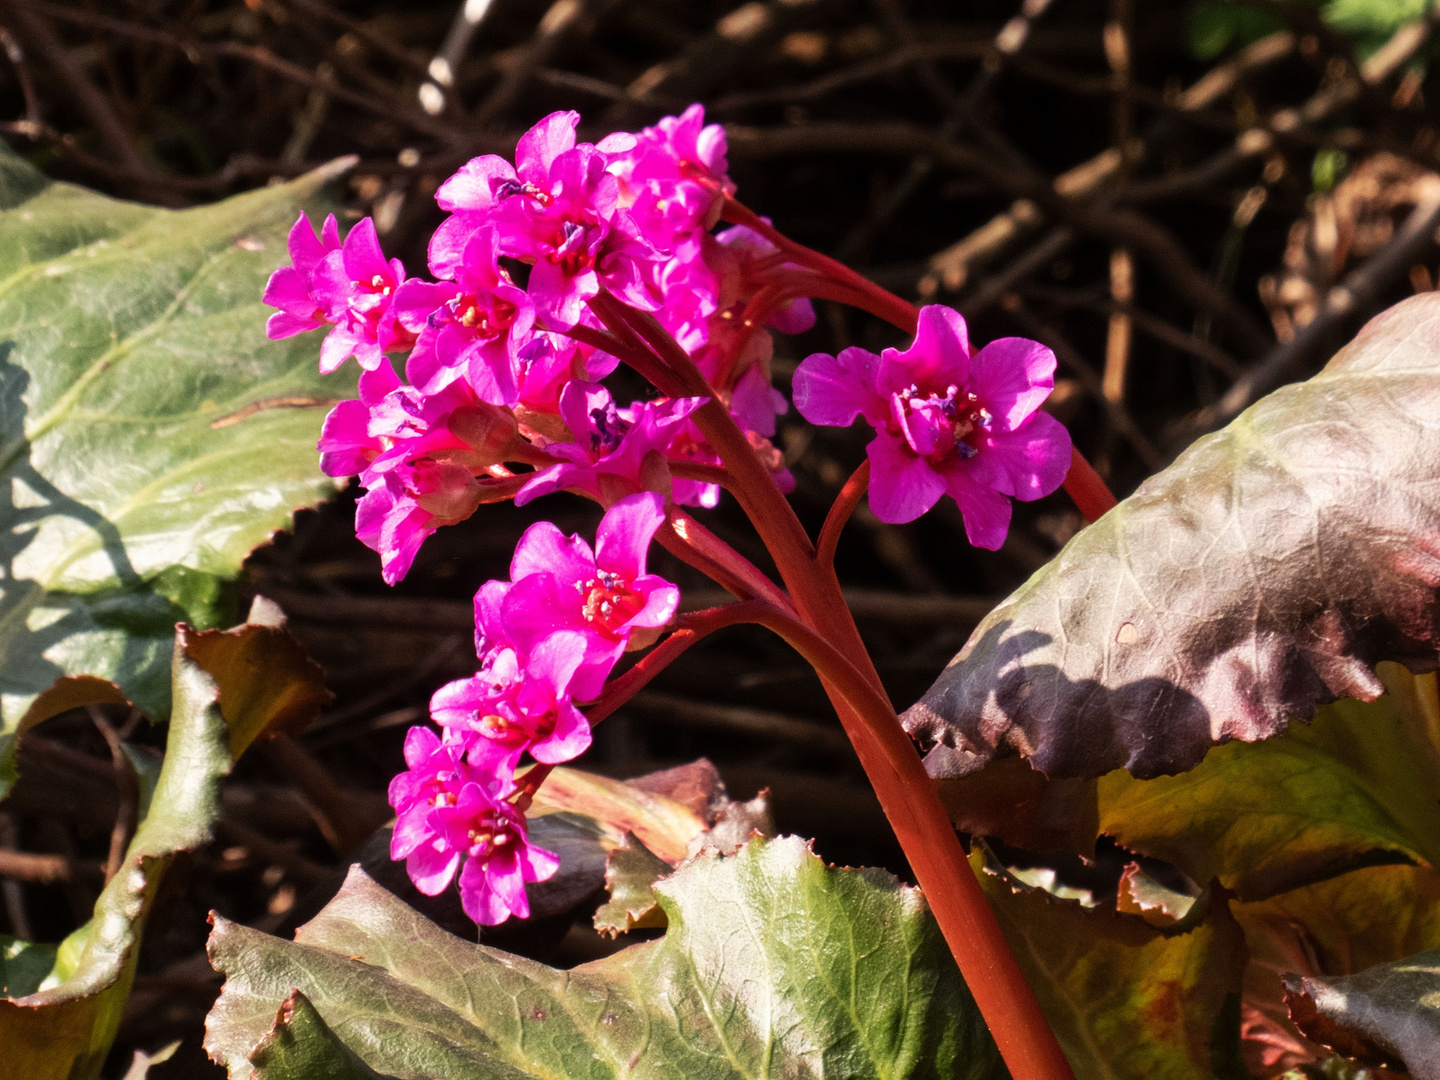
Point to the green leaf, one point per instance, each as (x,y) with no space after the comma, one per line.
(1265,572)
(1125,999)
(62,1028)
(1355,786)
(24,965)
(150,435)
(631,871)
(1381,1015)
(773,965)
(301,1047)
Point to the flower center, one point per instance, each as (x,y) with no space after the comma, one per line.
(609,602)
(507,189)
(571,250)
(935,425)
(466,311)
(490,832)
(610,428)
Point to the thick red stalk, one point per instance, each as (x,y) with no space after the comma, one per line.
(827,636)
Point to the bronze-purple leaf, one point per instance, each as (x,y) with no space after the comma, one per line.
(1262,574)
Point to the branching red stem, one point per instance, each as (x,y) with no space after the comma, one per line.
(895,770)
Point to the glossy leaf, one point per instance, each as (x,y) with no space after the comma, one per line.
(301,1047)
(63,1027)
(1265,572)
(773,964)
(150,435)
(1379,1016)
(1355,786)
(1125,1000)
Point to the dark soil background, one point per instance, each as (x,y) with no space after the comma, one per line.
(1176,280)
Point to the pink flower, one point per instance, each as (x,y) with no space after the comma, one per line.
(291,288)
(607,458)
(676,171)
(356,288)
(499,855)
(559,209)
(405,507)
(513,707)
(604,595)
(946,422)
(472,327)
(548,362)
(446,811)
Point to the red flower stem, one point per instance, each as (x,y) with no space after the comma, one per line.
(689,628)
(693,543)
(705,474)
(840,511)
(887,305)
(826,635)
(1084,486)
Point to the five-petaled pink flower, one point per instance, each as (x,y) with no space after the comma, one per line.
(946,422)
(519,705)
(605,595)
(448,811)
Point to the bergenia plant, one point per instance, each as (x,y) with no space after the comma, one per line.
(635,250)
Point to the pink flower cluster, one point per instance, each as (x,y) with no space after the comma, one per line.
(547,638)
(492,379)
(503,398)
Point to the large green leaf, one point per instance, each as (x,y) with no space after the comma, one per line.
(1127,1001)
(150,434)
(1383,1014)
(773,965)
(62,1027)
(1355,786)
(1265,572)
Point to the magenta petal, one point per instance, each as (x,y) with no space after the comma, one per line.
(283,325)
(544,549)
(569,740)
(902,485)
(537,606)
(625,534)
(553,661)
(432,867)
(1027,463)
(833,390)
(662,600)
(455,703)
(939,356)
(538,148)
(363,258)
(537,864)
(305,249)
(411,830)
(289,290)
(420,743)
(473,185)
(1012,377)
(985,510)
(492,890)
